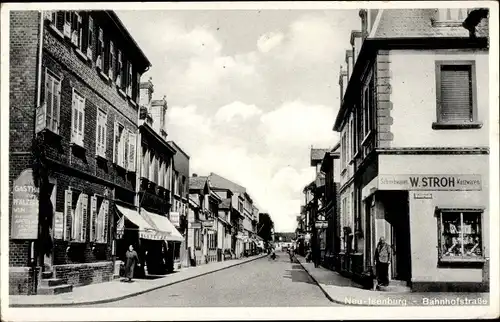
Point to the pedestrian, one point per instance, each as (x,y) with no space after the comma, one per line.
(382,261)
(132,260)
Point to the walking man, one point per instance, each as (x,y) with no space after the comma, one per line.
(382,261)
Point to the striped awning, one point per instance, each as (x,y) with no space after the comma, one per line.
(146,230)
(165,229)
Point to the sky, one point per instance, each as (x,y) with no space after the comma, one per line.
(249,92)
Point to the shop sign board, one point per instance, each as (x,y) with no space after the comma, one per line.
(430,182)
(58,225)
(321,224)
(175,218)
(208,224)
(24,207)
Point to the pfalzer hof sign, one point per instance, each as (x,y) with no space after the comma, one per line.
(430,182)
(24,222)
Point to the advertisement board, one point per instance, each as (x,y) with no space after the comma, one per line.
(430,182)
(175,218)
(24,207)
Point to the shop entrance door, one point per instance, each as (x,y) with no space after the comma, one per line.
(397,211)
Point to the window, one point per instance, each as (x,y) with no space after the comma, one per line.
(101,132)
(124,148)
(353,142)
(90,37)
(111,57)
(76,30)
(52,101)
(145,163)
(100,50)
(129,80)
(75,212)
(176,183)
(78,119)
(120,80)
(460,235)
(161,173)
(197,238)
(455,93)
(343,150)
(451,16)
(98,219)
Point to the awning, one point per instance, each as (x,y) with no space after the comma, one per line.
(146,230)
(164,227)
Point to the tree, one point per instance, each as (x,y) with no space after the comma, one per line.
(266,227)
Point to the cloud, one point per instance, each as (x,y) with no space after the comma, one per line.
(236,110)
(268,41)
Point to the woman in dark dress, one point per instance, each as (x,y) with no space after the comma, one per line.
(132,260)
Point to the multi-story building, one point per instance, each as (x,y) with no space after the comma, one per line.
(74,94)
(330,169)
(415,145)
(180,196)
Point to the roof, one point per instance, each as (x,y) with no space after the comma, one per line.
(220,182)
(114,17)
(317,155)
(197,183)
(177,148)
(409,23)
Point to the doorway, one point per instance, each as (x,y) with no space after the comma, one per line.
(397,215)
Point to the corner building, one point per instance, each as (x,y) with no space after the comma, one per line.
(75,89)
(415,147)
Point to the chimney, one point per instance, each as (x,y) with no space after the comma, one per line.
(158,112)
(356,41)
(349,63)
(342,83)
(146,93)
(363,13)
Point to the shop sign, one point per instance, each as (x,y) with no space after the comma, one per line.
(430,182)
(208,224)
(175,218)
(40,119)
(321,224)
(58,225)
(422,195)
(196,225)
(24,207)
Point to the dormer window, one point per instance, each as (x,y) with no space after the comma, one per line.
(451,16)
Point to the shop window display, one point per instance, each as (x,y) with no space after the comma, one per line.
(460,234)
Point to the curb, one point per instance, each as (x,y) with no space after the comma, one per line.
(322,288)
(133,294)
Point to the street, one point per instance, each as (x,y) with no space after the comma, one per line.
(259,283)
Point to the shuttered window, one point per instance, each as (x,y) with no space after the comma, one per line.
(455,92)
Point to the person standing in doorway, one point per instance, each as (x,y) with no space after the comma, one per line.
(382,261)
(132,260)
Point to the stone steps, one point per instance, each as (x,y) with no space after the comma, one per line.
(50,285)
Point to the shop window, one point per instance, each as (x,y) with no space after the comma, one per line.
(455,95)
(75,216)
(197,238)
(460,234)
(98,219)
(101,132)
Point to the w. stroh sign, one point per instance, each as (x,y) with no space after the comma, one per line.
(24,220)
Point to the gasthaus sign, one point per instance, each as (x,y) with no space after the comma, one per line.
(430,182)
(24,207)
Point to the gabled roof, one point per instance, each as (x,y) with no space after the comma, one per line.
(197,183)
(177,148)
(220,182)
(317,155)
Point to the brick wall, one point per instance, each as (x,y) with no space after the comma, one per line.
(84,274)
(24,34)
(21,280)
(384,104)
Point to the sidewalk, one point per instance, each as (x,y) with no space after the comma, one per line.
(116,290)
(342,290)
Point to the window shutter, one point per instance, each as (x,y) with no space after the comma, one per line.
(124,148)
(115,143)
(90,32)
(56,106)
(456,93)
(68,209)
(131,151)
(93,217)
(75,223)
(48,99)
(75,115)
(60,20)
(111,56)
(84,217)
(81,125)
(104,129)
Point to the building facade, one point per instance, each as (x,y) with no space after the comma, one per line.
(74,76)
(415,146)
